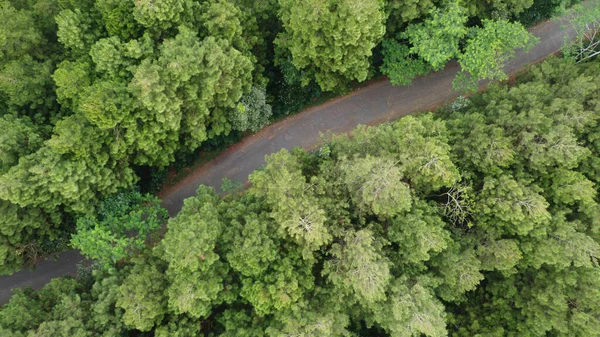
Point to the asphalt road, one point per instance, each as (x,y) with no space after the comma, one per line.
(370,105)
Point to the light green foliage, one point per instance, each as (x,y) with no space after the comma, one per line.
(253,249)
(376,185)
(569,187)
(223,20)
(105,103)
(56,310)
(308,320)
(481,51)
(66,327)
(419,234)
(294,205)
(558,147)
(488,49)
(273,277)
(424,153)
(221,72)
(18,35)
(459,272)
(159,15)
(105,316)
(240,323)
(195,271)
(76,29)
(120,228)
(22,312)
(560,302)
(331,39)
(286,282)
(117,17)
(179,326)
(142,296)
(412,310)
(502,255)
(507,205)
(485,147)
(497,8)
(564,244)
(22,230)
(108,56)
(10,333)
(358,267)
(437,39)
(70,78)
(550,294)
(71,169)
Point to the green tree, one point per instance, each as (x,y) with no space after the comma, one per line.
(179,326)
(332,40)
(118,18)
(488,49)
(502,255)
(506,205)
(481,51)
(459,271)
(399,65)
(358,267)
(19,36)
(161,16)
(376,185)
(142,296)
(77,27)
(23,230)
(424,154)
(20,138)
(419,234)
(294,205)
(437,39)
(309,320)
(120,228)
(412,309)
(253,247)
(26,83)
(195,271)
(105,103)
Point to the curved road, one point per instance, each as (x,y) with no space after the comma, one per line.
(370,105)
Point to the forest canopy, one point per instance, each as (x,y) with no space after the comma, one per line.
(98,96)
(479,220)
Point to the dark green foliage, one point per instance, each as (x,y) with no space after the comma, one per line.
(120,228)
(543,9)
(398,65)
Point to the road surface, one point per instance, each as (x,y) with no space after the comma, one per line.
(370,105)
